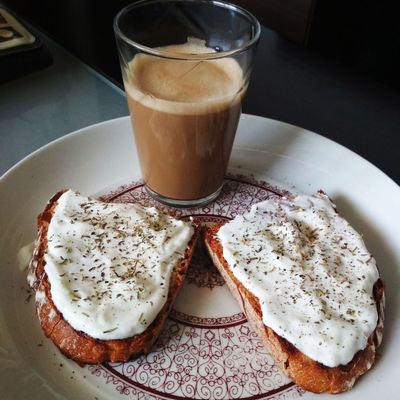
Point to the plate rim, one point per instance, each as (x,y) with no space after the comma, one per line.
(244,116)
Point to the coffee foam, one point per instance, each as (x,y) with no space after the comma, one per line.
(192,46)
(185,86)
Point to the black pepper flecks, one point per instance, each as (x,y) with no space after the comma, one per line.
(121,256)
(311,264)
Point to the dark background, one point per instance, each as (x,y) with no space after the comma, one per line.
(360,34)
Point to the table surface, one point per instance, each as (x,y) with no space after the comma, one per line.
(289,83)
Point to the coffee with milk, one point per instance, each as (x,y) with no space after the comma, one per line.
(184,115)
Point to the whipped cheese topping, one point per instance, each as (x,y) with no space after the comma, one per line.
(109,265)
(310,271)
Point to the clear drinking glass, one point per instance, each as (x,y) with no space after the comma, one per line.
(186,66)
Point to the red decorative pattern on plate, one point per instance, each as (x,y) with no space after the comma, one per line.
(238,194)
(188,362)
(202,357)
(210,322)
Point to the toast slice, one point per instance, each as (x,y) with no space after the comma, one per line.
(305,371)
(80,345)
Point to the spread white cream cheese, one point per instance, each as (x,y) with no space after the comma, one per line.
(311,272)
(109,264)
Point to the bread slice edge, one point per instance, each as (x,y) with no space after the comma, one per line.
(305,372)
(78,345)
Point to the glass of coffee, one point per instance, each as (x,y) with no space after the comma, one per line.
(186,66)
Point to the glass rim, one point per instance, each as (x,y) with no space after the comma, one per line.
(180,56)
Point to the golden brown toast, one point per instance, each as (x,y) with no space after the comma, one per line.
(305,372)
(77,345)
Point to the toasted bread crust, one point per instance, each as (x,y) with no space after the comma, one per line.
(305,372)
(77,345)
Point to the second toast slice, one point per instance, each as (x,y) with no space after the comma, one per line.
(308,287)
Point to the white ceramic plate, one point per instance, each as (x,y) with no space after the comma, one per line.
(207,350)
